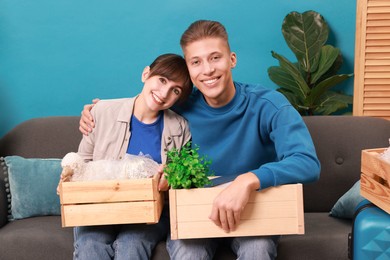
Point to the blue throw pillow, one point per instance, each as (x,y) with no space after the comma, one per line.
(346,205)
(31,185)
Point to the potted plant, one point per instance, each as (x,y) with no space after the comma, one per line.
(307,83)
(186,168)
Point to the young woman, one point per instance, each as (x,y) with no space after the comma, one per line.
(142,124)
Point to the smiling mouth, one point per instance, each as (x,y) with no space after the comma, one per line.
(157,99)
(211,81)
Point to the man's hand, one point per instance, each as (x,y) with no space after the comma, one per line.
(86,120)
(163,183)
(229,204)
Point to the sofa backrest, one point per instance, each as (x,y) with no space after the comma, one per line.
(339,141)
(47,137)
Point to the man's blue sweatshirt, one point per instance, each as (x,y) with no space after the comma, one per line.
(258,131)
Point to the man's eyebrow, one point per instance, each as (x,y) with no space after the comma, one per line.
(208,55)
(215,52)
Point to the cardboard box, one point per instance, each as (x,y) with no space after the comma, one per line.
(273,211)
(375,177)
(92,203)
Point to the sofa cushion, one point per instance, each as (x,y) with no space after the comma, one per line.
(31,186)
(345,206)
(36,238)
(325,238)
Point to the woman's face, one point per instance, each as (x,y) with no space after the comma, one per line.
(159,92)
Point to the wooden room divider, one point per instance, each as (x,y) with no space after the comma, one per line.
(372,59)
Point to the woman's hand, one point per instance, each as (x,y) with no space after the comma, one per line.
(66,174)
(163,183)
(86,120)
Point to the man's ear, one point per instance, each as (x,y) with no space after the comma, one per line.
(233,60)
(145,74)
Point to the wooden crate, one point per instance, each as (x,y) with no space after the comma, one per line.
(273,211)
(110,202)
(375,177)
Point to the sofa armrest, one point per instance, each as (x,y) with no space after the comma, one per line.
(3,200)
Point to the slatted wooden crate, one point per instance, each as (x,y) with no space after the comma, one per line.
(276,210)
(110,202)
(375,177)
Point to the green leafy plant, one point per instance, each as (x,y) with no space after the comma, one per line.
(307,83)
(186,169)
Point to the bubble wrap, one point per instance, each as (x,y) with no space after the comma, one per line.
(130,167)
(386,154)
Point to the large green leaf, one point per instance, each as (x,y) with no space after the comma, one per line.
(288,67)
(328,56)
(334,69)
(282,78)
(325,85)
(293,99)
(332,102)
(286,83)
(305,34)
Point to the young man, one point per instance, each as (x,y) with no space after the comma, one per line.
(245,130)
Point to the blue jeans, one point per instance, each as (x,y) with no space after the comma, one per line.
(133,241)
(246,248)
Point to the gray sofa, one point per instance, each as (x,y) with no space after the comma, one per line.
(338,140)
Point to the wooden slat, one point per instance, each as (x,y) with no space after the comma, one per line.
(373,36)
(377,113)
(378,3)
(109,213)
(377,16)
(378,49)
(377,62)
(378,68)
(377,94)
(378,56)
(377,75)
(378,42)
(378,23)
(377,81)
(377,100)
(379,9)
(287,226)
(373,88)
(108,191)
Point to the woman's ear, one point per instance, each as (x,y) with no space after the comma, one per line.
(145,74)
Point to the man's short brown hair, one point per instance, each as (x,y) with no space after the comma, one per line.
(202,29)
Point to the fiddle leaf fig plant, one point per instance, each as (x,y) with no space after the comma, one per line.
(307,83)
(186,169)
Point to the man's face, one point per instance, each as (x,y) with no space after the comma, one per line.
(210,62)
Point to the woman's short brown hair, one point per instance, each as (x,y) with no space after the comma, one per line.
(202,29)
(173,67)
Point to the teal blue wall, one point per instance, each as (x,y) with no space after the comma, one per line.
(57,55)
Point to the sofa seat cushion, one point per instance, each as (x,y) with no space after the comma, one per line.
(325,237)
(36,238)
